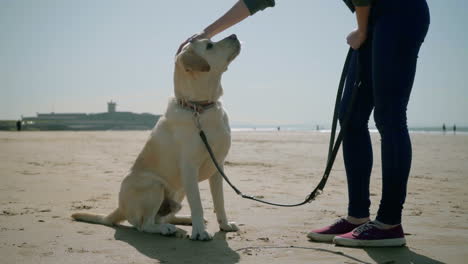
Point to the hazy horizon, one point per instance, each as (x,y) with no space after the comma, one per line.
(75,56)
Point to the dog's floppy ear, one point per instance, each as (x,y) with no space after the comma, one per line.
(194,62)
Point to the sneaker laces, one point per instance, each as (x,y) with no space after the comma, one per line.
(365,227)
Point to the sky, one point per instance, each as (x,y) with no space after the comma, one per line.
(75,56)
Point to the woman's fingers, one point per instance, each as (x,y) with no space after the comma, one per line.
(192,38)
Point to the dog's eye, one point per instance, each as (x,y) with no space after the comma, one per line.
(209,46)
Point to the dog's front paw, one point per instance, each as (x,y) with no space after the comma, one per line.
(229,227)
(201,235)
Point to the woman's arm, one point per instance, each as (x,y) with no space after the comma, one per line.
(241,10)
(357,37)
(235,15)
(362,17)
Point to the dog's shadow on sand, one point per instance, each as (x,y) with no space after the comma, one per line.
(178,250)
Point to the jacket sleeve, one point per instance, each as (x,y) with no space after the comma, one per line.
(353,3)
(361,2)
(256,5)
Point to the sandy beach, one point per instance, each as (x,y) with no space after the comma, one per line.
(47,176)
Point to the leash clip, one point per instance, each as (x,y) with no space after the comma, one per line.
(196,115)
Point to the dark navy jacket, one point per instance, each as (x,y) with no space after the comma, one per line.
(256,5)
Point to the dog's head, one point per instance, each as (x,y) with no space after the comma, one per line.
(199,67)
(203,55)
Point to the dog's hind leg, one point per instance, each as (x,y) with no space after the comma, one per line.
(163,228)
(181,220)
(150,226)
(145,214)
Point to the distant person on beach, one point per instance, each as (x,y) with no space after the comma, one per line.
(387,42)
(444,128)
(454,129)
(18,125)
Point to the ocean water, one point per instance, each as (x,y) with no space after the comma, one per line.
(422,130)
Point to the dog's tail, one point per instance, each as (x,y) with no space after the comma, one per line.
(109,220)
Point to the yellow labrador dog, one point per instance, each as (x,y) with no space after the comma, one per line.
(174,158)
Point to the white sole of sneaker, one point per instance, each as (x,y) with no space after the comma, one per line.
(321,237)
(394,242)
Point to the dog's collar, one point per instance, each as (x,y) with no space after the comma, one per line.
(196,107)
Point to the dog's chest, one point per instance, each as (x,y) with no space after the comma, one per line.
(220,145)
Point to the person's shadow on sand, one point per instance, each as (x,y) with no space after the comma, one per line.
(178,250)
(398,255)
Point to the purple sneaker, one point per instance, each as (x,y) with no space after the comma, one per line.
(369,235)
(326,234)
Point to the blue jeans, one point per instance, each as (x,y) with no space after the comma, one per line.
(387,62)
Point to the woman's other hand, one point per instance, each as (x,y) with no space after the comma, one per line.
(356,38)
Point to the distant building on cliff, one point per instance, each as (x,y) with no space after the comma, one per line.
(112,120)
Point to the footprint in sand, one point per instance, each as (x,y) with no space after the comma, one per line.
(86,232)
(35,163)
(8,212)
(415,212)
(105,196)
(73,250)
(28,173)
(79,206)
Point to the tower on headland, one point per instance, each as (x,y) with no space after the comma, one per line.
(111,107)
(110,120)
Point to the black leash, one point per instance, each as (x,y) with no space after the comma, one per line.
(334,146)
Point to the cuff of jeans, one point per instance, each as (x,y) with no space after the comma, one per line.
(258,5)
